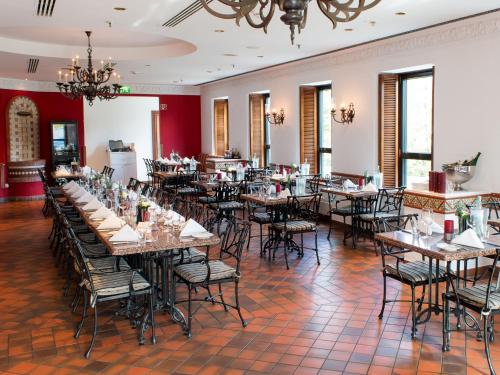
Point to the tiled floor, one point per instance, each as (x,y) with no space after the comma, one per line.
(308,320)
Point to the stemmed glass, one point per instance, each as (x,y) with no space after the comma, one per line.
(428,220)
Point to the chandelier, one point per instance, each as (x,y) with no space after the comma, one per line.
(89,82)
(259,13)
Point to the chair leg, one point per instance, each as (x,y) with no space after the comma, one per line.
(261,240)
(330,228)
(249,238)
(421,301)
(238,308)
(152,312)
(301,245)
(76,299)
(285,248)
(94,334)
(316,247)
(486,339)
(384,298)
(222,297)
(84,314)
(190,316)
(413,314)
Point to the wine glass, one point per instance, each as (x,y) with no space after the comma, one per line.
(428,220)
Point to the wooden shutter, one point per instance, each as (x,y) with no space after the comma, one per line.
(388,128)
(157,146)
(309,127)
(220,126)
(257,133)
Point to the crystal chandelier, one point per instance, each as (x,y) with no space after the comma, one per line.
(89,82)
(259,13)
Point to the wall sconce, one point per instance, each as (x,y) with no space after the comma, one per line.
(346,114)
(276,118)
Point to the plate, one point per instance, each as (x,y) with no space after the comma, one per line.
(447,247)
(202,236)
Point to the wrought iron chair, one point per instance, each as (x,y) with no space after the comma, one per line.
(300,216)
(414,274)
(257,214)
(388,203)
(227,201)
(108,171)
(217,272)
(111,286)
(482,298)
(149,169)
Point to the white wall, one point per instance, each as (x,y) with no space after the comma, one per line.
(126,118)
(467,100)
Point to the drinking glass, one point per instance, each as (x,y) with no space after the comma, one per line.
(428,220)
(415,231)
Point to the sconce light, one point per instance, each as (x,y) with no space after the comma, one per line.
(276,118)
(346,114)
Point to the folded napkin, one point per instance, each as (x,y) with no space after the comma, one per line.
(111,222)
(78,193)
(468,238)
(126,234)
(172,215)
(277,176)
(85,198)
(186,160)
(93,205)
(73,189)
(191,228)
(348,184)
(166,160)
(370,187)
(87,170)
(436,228)
(101,213)
(69,185)
(285,193)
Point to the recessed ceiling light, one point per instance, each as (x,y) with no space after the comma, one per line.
(120,9)
(230,54)
(348,29)
(373,23)
(400,13)
(219,30)
(148,64)
(260,56)
(253,47)
(209,71)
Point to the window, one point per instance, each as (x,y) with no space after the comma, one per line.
(220,126)
(406,127)
(325,129)
(260,143)
(415,146)
(316,128)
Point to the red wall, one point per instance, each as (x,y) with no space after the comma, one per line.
(180,126)
(51,106)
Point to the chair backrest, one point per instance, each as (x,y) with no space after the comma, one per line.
(389,200)
(392,224)
(147,190)
(234,240)
(302,207)
(312,183)
(228,191)
(493,281)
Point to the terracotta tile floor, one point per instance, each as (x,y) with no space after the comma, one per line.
(308,320)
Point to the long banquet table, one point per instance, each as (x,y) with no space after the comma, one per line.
(164,250)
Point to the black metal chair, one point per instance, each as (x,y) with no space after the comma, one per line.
(227,199)
(225,269)
(108,171)
(300,216)
(414,273)
(149,169)
(484,299)
(101,287)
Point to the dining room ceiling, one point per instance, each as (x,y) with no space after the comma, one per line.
(178,42)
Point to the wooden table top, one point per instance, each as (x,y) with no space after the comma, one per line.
(348,193)
(167,174)
(427,246)
(167,241)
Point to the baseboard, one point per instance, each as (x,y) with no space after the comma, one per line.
(21,199)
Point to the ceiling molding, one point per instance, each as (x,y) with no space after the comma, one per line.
(469,27)
(140,89)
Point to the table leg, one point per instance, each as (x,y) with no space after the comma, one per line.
(446,313)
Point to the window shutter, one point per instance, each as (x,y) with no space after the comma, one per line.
(388,128)
(220,126)
(309,127)
(257,141)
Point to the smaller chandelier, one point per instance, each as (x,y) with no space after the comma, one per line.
(346,114)
(276,118)
(259,13)
(88,82)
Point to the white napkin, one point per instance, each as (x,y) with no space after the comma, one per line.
(166,160)
(370,187)
(101,213)
(126,234)
(78,193)
(468,238)
(85,198)
(175,216)
(111,222)
(93,205)
(186,160)
(69,185)
(348,184)
(226,178)
(87,170)
(73,189)
(285,193)
(192,227)
(436,228)
(271,190)
(277,176)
